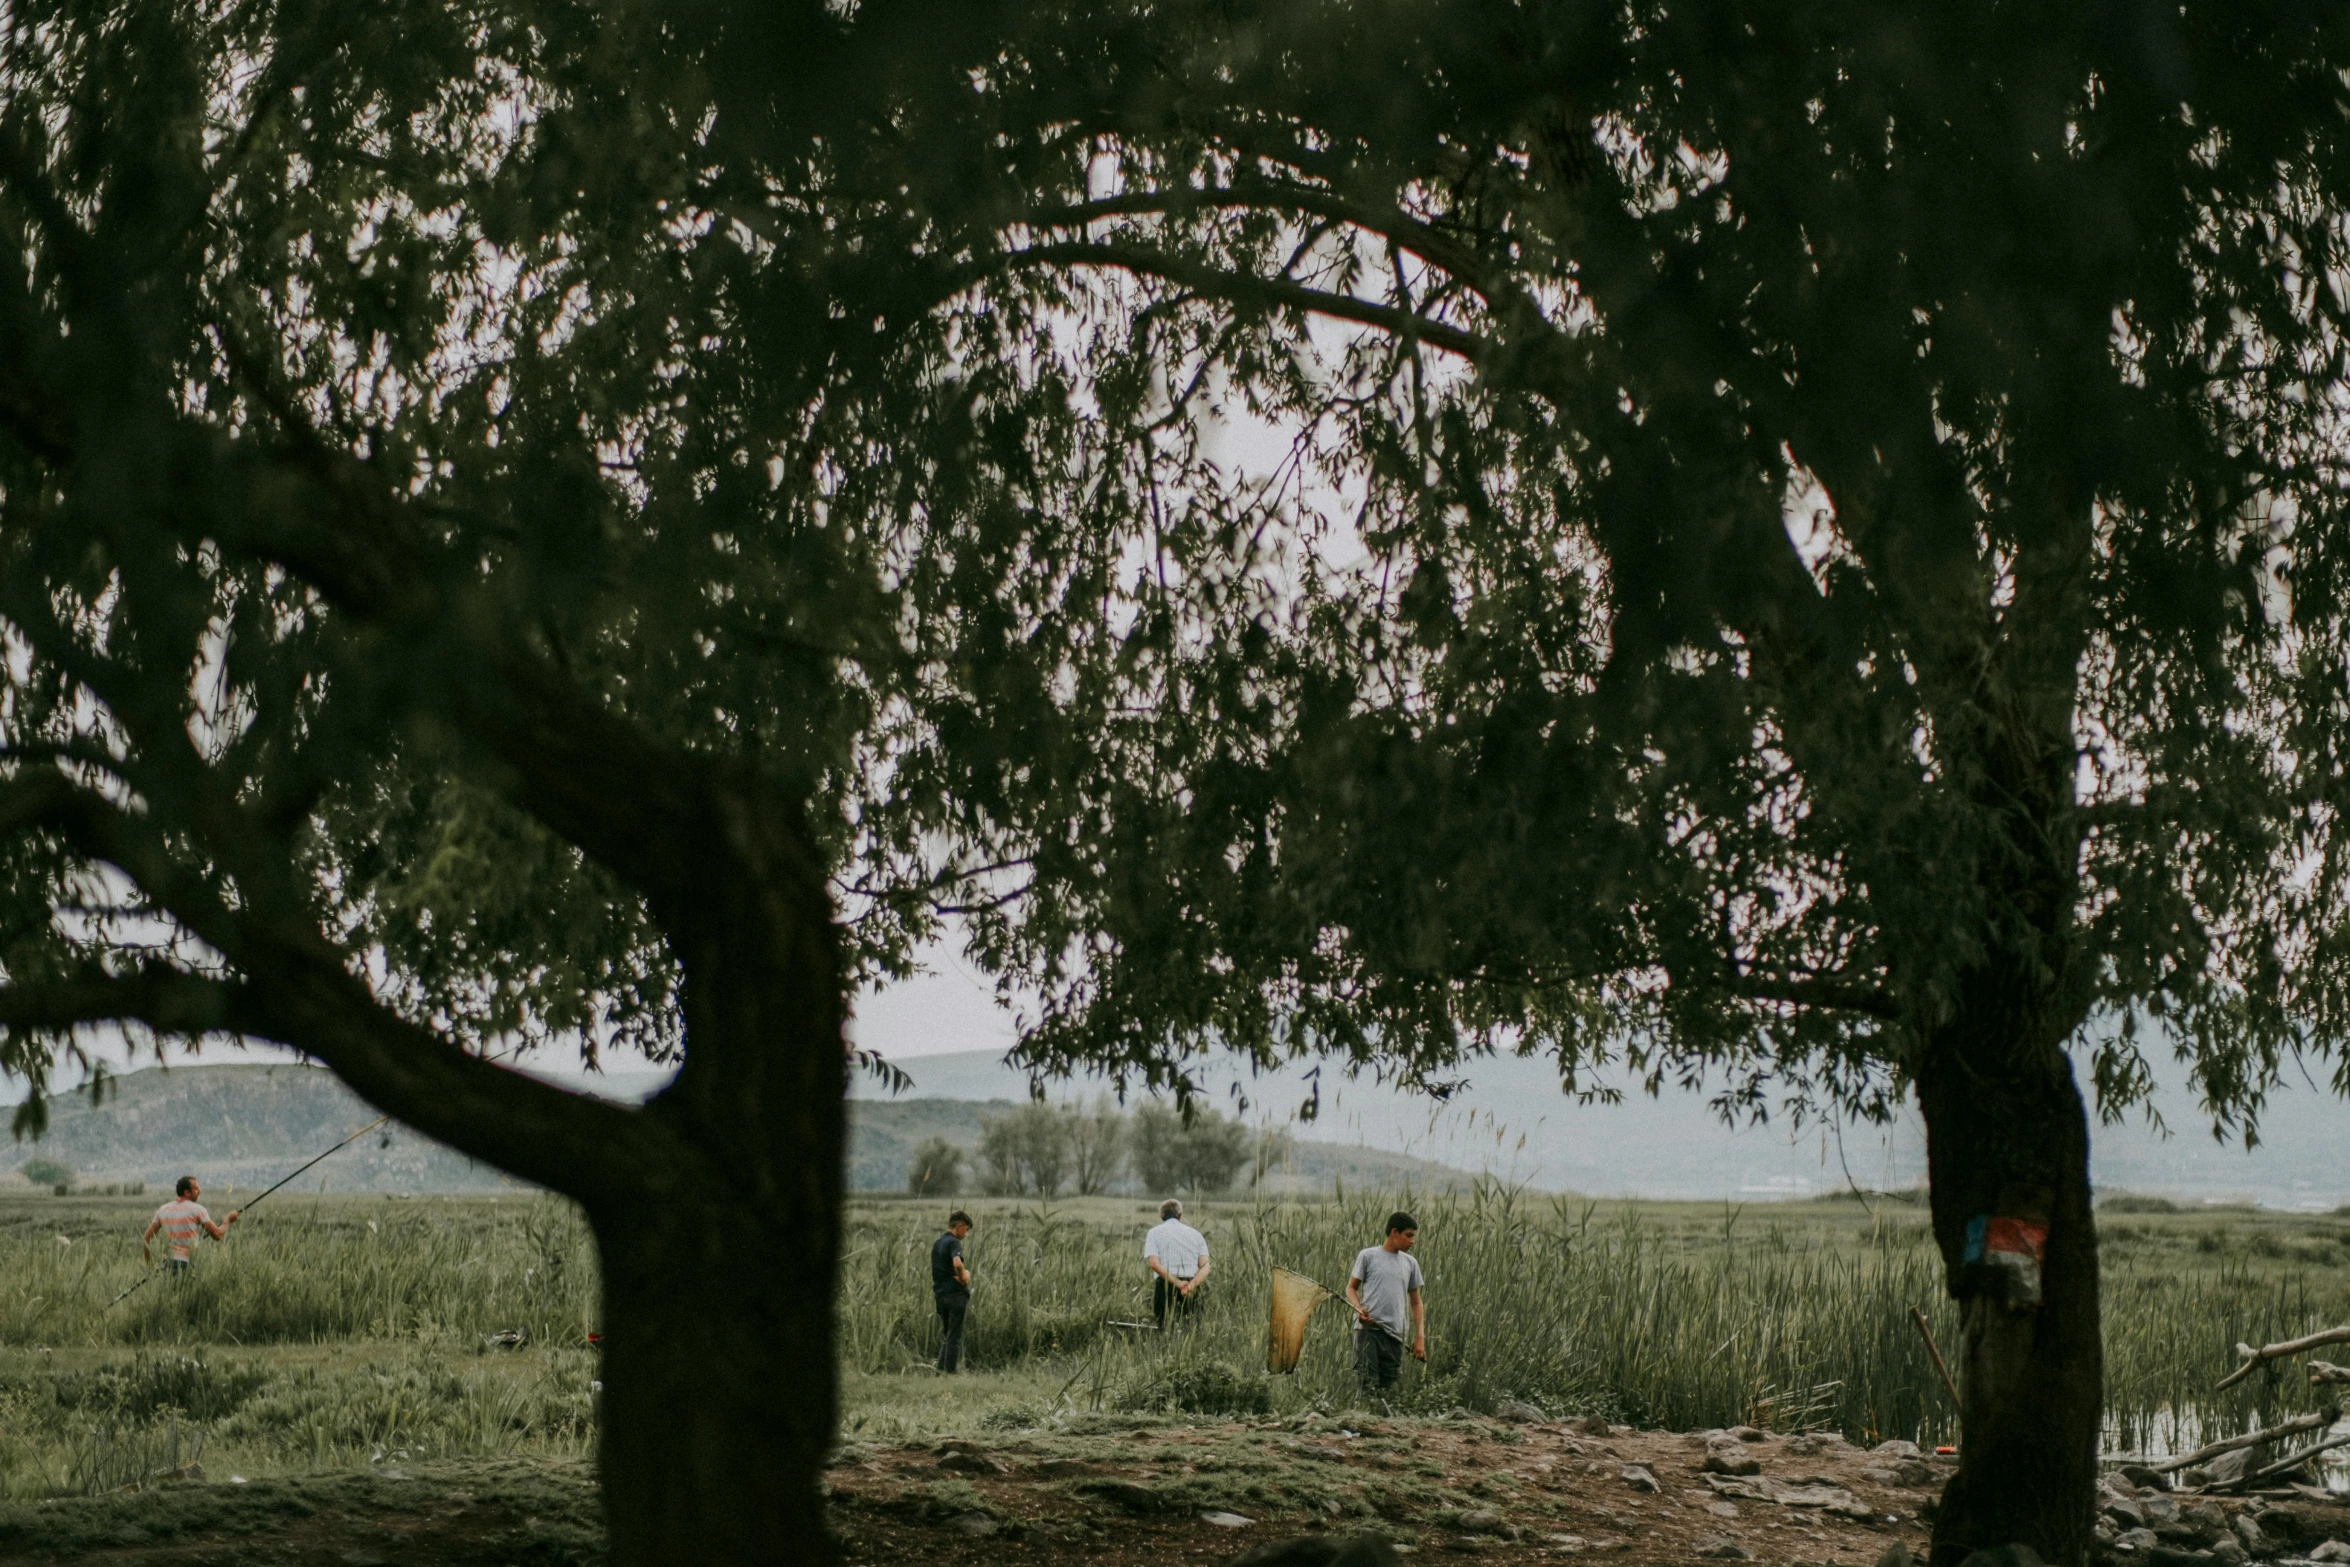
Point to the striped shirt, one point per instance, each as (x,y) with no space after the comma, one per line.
(182,1222)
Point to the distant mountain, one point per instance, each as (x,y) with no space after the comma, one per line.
(244,1126)
(239,1129)
(1509,1119)
(883,1135)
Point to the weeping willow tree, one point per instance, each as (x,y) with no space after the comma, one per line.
(1799,557)
(1822,572)
(519,529)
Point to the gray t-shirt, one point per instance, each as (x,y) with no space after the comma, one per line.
(1387,1279)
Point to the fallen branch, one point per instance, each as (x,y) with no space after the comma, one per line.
(2318,1421)
(1934,1350)
(2327,1371)
(2255,1357)
(2281,1466)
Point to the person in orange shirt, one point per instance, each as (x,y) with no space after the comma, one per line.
(181,1220)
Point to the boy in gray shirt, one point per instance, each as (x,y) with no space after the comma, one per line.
(1384,1289)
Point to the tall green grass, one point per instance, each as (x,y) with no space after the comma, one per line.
(348,1332)
(307,1274)
(1772,1317)
(321,1336)
(80,1430)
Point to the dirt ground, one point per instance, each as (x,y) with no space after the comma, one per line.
(1508,1491)
(1481,1487)
(479,1514)
(1139,1489)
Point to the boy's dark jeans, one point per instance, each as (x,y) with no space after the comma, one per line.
(1378,1359)
(950,1317)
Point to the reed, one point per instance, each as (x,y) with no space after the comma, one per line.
(1788,1318)
(341,1333)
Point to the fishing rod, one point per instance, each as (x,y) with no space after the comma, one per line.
(256,1202)
(337,1148)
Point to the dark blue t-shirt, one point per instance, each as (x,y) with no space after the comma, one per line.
(943,1253)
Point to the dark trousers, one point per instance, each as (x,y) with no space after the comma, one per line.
(1168,1301)
(950,1319)
(1378,1359)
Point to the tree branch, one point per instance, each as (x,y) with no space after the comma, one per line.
(298,989)
(168,1000)
(2285,1465)
(1240,287)
(573,1143)
(1411,234)
(595,777)
(2321,1420)
(1820,994)
(2251,1358)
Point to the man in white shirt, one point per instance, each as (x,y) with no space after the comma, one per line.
(1178,1254)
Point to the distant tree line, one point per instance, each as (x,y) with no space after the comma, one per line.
(1044,1150)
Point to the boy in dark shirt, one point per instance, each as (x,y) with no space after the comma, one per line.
(950,1285)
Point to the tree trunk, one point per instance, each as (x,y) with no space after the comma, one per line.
(2008,1162)
(720,1379)
(716,1207)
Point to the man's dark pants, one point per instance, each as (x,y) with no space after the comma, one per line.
(950,1318)
(1378,1359)
(1168,1301)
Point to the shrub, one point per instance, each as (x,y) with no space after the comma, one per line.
(47,1172)
(1203,1387)
(937,1169)
(1203,1154)
(2133,1202)
(1030,1149)
(1013,1417)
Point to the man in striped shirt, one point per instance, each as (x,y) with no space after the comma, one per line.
(180,1220)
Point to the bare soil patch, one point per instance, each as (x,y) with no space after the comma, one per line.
(1142,1489)
(1461,1486)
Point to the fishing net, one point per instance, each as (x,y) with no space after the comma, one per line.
(1294,1298)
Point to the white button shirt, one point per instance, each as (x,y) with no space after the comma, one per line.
(1179,1248)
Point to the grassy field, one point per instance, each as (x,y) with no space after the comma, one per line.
(1679,1316)
(349,1334)
(337,1334)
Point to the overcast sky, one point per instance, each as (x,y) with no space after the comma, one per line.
(951,1007)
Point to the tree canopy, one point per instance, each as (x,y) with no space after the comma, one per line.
(364,375)
(518,525)
(1836,496)
(1821,568)
(1806,550)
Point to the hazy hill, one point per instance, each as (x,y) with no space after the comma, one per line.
(240,1128)
(1511,1120)
(244,1126)
(884,1133)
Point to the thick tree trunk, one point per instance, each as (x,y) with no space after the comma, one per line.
(720,1382)
(2008,1160)
(716,1208)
